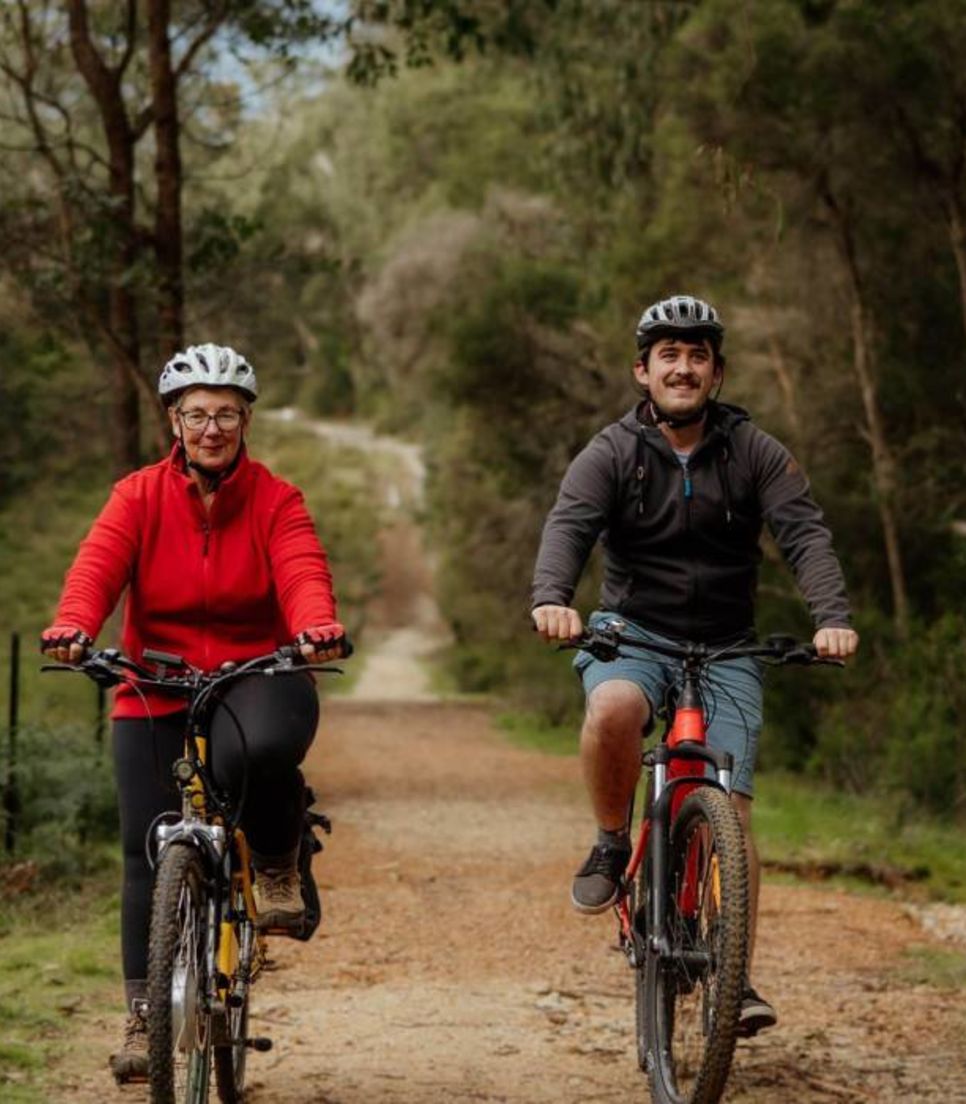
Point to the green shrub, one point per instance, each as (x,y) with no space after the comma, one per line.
(67,799)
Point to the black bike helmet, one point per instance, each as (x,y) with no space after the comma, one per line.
(679,316)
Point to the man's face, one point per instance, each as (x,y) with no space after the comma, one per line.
(680,375)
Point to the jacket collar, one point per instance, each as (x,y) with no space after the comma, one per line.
(722,419)
(230,493)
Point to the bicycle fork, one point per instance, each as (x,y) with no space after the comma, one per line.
(653,844)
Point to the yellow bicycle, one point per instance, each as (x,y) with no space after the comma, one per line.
(205,950)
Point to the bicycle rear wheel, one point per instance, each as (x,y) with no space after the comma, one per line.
(179,1023)
(231,1042)
(693,995)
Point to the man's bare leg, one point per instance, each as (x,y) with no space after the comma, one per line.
(610,754)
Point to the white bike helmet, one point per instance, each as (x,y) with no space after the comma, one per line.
(677,315)
(207,365)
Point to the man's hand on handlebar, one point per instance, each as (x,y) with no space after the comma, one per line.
(836,643)
(557,624)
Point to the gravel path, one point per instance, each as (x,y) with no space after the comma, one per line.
(451,968)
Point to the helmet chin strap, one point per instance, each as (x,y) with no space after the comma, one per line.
(673,422)
(693,418)
(212,477)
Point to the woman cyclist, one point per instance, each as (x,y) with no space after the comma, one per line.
(221,562)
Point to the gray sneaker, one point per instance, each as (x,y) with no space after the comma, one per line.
(756,1013)
(597,884)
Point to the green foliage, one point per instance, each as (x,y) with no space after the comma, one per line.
(940,967)
(68,804)
(463,251)
(50,972)
(808,821)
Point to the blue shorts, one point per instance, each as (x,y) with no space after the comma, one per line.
(732,692)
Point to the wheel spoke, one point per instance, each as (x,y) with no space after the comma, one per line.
(179,1037)
(693,993)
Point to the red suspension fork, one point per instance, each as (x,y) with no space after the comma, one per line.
(689,726)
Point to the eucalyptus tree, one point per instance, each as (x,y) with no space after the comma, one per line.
(773,88)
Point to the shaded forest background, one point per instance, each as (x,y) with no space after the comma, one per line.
(445,218)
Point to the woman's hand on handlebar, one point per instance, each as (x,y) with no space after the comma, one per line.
(557,624)
(836,643)
(65,643)
(322,643)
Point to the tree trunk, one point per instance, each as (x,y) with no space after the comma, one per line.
(883,462)
(786,384)
(956,220)
(124,348)
(168,177)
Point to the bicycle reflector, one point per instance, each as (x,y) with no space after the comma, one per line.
(183,770)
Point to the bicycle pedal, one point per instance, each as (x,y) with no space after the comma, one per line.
(260,1043)
(292,933)
(320,820)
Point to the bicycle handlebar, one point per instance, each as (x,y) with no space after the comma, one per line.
(604,643)
(109,667)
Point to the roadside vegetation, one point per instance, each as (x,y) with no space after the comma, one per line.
(458,249)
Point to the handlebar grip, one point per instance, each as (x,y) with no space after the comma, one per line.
(168,659)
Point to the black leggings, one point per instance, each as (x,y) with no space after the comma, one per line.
(279,717)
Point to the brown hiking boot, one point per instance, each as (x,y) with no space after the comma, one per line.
(278,898)
(130,1064)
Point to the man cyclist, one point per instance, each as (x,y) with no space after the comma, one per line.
(678,490)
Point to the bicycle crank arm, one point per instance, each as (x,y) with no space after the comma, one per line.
(259,1042)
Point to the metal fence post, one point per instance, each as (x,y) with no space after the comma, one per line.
(99,724)
(11,794)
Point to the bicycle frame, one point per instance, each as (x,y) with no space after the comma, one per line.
(678,768)
(217,835)
(228,862)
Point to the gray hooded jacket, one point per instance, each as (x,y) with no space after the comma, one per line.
(681,544)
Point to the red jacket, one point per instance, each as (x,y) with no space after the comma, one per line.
(234,583)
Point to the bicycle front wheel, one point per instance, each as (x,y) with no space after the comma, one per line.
(179,1021)
(693,994)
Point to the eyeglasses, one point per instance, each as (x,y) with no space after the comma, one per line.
(225,420)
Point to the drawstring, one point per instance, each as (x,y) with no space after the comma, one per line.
(640,472)
(722,461)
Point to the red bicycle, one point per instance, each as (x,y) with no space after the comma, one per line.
(683,910)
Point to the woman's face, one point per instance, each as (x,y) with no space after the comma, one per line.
(211,422)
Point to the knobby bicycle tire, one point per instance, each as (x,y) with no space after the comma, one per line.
(179,1028)
(637,905)
(230,1058)
(693,997)
(231,1049)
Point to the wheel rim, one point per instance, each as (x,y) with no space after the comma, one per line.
(687,981)
(186,1028)
(190,1034)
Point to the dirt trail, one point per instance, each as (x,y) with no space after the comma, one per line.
(450,966)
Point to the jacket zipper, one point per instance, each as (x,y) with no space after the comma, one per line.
(206,535)
(688,495)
